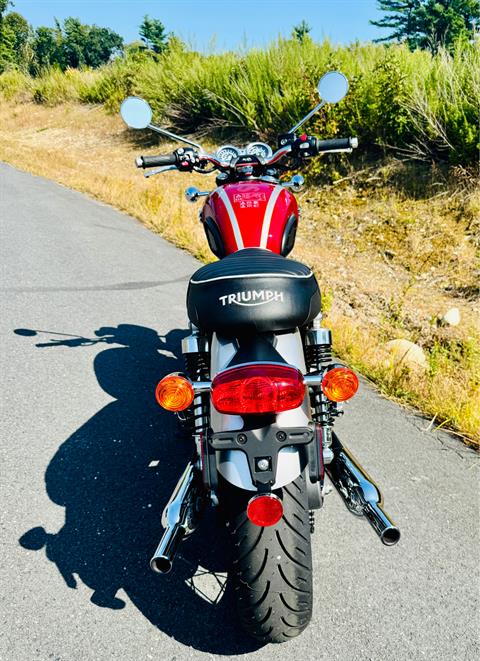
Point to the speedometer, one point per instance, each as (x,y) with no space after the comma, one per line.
(227,153)
(259,149)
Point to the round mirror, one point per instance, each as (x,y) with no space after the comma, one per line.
(332,87)
(136,113)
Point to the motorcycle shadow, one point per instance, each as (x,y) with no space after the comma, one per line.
(113,476)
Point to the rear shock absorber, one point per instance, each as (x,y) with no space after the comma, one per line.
(195,349)
(196,418)
(318,354)
(318,346)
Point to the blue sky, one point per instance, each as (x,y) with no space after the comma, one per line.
(230,23)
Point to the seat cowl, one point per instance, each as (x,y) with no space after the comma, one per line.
(253,290)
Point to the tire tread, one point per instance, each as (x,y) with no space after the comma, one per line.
(272,570)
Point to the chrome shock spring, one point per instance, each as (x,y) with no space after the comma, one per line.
(318,356)
(196,355)
(318,348)
(196,417)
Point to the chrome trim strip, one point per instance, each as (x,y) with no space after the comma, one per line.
(313,379)
(201,386)
(233,219)
(267,219)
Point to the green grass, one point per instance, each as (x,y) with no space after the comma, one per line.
(422,106)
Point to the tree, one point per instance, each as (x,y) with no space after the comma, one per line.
(46,47)
(74,41)
(14,41)
(6,38)
(102,44)
(74,45)
(71,44)
(301,31)
(152,32)
(88,45)
(20,31)
(6,49)
(429,24)
(3,8)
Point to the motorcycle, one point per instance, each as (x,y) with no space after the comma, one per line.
(261,390)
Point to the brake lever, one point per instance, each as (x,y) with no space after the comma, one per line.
(347,150)
(165,168)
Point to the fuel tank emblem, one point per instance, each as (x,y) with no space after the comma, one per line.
(252,297)
(249,200)
(249,195)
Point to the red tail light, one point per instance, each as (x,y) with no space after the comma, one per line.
(258,388)
(265,510)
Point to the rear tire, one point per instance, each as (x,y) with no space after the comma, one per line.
(272,567)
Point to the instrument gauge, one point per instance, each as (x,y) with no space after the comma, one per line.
(259,149)
(226,153)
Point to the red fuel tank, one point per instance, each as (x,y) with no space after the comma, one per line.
(250,214)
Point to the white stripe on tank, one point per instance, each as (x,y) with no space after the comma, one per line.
(267,219)
(233,219)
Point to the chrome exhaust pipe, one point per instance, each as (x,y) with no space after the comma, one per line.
(359,492)
(179,518)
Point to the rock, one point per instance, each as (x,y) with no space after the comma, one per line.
(451,317)
(406,353)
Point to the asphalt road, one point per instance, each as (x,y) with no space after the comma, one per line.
(87,461)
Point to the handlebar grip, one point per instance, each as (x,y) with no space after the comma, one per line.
(156,161)
(336,143)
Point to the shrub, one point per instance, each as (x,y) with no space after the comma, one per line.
(420,106)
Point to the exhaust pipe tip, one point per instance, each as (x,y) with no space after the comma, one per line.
(390,536)
(161,564)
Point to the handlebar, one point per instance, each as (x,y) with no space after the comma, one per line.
(156,161)
(335,144)
(189,159)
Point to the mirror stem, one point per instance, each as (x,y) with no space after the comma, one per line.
(173,136)
(307,117)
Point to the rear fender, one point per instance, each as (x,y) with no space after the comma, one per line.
(233,464)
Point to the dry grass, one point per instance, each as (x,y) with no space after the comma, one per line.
(388,265)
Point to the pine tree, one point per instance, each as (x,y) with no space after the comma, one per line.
(3,8)
(7,38)
(152,33)
(20,29)
(301,31)
(429,24)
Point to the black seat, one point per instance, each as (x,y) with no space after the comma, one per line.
(252,289)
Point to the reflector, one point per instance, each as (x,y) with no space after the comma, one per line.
(258,388)
(174,393)
(339,384)
(266,510)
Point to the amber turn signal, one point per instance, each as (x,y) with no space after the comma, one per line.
(339,384)
(174,393)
